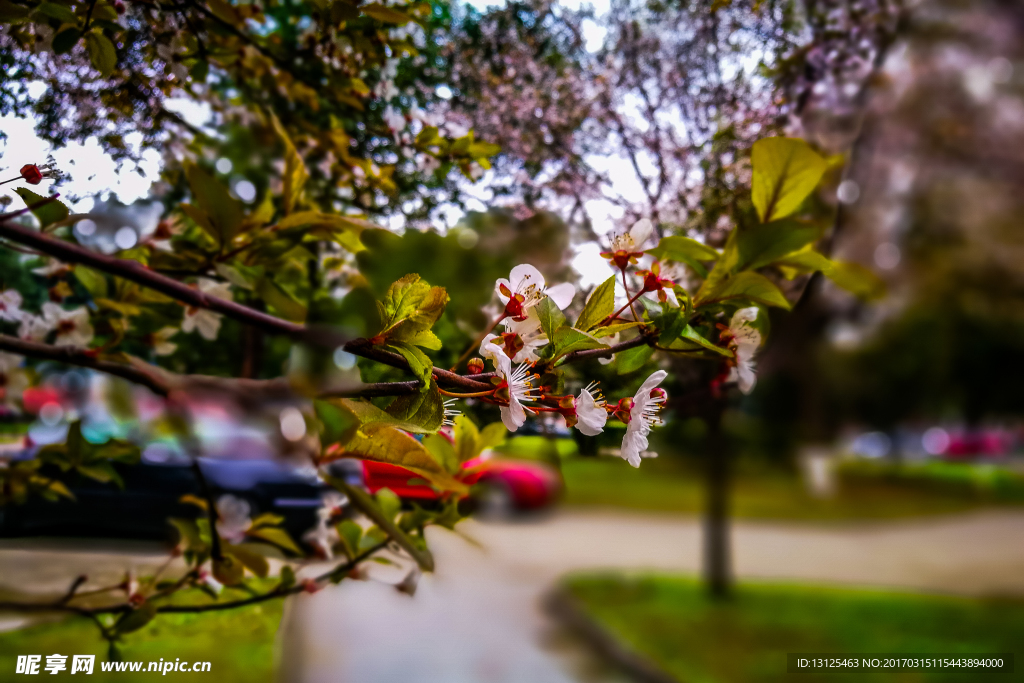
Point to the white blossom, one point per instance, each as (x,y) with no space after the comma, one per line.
(525,288)
(33,328)
(13,380)
(632,240)
(10,306)
(746,340)
(519,384)
(233,518)
(73,328)
(206,322)
(162,346)
(642,416)
(591,415)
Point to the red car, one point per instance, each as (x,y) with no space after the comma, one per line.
(499,485)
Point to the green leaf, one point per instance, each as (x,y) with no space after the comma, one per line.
(278,537)
(852,277)
(748,285)
(136,619)
(492,435)
(425,408)
(281,301)
(267,519)
(600,305)
(229,570)
(346,231)
(762,244)
(610,330)
(786,170)
(443,451)
(66,39)
(551,319)
(691,335)
(467,439)
(386,444)
(338,425)
(11,13)
(419,363)
(295,173)
(804,261)
(388,502)
(199,71)
(567,340)
(49,212)
(670,323)
(386,15)
(287,576)
(234,275)
(250,557)
(101,53)
(62,13)
(92,280)
(369,507)
(724,267)
(633,359)
(223,10)
(224,212)
(856,279)
(188,534)
(349,533)
(370,417)
(413,303)
(684,250)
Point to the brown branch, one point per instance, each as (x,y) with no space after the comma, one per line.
(586,354)
(163,382)
(142,275)
(83,358)
(336,573)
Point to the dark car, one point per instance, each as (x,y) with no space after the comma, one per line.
(152,492)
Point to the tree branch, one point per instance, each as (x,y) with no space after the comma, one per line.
(60,606)
(640,340)
(142,275)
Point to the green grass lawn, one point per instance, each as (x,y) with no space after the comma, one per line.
(239,644)
(670,620)
(670,484)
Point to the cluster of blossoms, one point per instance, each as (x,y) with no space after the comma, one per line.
(513,354)
(514,348)
(70,328)
(74,327)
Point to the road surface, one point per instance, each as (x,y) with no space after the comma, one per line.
(477,620)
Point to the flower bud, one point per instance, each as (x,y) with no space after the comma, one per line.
(31,174)
(622,410)
(475,366)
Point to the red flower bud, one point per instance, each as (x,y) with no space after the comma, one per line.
(475,366)
(31,174)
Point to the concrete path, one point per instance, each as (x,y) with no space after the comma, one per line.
(477,620)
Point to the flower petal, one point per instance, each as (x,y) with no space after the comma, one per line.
(525,271)
(591,417)
(654,380)
(562,294)
(640,231)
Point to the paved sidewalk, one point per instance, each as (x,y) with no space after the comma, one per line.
(477,620)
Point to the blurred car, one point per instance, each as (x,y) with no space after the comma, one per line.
(152,492)
(499,486)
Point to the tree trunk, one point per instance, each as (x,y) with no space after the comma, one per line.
(717,561)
